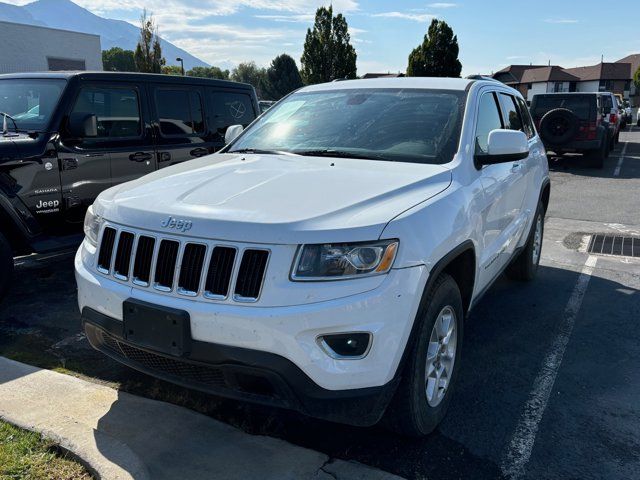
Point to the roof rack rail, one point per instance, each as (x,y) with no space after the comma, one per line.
(482,77)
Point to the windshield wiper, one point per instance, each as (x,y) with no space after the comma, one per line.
(328,152)
(259,151)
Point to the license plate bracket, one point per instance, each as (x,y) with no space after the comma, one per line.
(163,329)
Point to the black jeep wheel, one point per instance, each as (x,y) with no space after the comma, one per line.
(558,126)
(429,375)
(6,265)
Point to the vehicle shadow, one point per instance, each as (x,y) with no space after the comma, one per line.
(507,338)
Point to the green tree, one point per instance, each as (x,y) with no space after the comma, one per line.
(282,77)
(250,73)
(636,79)
(328,53)
(118,60)
(437,56)
(171,70)
(148,54)
(209,72)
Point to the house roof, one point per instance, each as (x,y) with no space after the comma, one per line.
(548,74)
(513,73)
(602,71)
(634,60)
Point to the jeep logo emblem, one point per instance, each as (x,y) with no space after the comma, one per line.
(174,223)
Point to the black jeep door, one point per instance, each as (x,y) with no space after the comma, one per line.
(180,124)
(121,151)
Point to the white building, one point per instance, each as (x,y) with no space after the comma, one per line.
(29,48)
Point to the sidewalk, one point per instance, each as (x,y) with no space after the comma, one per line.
(122,436)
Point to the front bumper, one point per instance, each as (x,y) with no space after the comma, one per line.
(242,374)
(279,344)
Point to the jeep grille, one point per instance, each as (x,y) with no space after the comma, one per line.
(187,268)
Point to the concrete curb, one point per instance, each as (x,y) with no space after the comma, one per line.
(121,436)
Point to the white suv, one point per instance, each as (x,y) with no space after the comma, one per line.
(325,261)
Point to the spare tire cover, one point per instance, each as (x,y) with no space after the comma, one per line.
(558,126)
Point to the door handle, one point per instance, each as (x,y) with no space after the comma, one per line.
(199,152)
(516,167)
(140,157)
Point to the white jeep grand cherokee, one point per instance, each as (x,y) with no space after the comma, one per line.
(325,261)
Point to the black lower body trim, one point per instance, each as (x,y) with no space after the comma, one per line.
(243,374)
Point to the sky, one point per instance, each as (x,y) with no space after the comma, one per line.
(491,33)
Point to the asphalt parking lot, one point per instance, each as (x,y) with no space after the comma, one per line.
(550,383)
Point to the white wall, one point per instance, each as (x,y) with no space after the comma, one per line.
(535,89)
(590,86)
(25,48)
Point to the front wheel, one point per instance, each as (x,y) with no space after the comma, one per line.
(422,398)
(525,265)
(6,265)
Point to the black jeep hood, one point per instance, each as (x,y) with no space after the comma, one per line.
(22,145)
(8,149)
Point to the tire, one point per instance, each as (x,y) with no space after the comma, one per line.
(525,265)
(6,265)
(558,126)
(412,412)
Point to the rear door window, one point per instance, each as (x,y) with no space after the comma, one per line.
(179,112)
(230,108)
(117,110)
(488,120)
(510,112)
(527,122)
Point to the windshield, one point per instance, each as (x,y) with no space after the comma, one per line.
(30,102)
(408,125)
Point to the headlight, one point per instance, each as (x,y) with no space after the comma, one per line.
(92,224)
(339,261)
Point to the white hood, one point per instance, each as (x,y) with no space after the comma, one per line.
(275,199)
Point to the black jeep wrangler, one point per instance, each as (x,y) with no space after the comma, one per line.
(68,136)
(573,122)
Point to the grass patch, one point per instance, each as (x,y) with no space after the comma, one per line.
(27,455)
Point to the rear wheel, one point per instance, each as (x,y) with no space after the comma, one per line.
(525,265)
(6,265)
(422,398)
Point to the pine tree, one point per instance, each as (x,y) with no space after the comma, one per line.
(437,56)
(282,78)
(328,53)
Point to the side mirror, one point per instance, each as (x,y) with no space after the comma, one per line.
(504,146)
(232,133)
(82,124)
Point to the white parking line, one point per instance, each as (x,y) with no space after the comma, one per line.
(519,451)
(616,172)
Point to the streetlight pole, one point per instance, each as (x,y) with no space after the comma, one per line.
(181,65)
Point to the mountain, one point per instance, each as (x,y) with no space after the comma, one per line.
(66,15)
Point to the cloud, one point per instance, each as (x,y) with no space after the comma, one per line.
(216,7)
(297,18)
(560,20)
(415,17)
(442,5)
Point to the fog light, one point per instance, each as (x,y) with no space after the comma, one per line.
(343,346)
